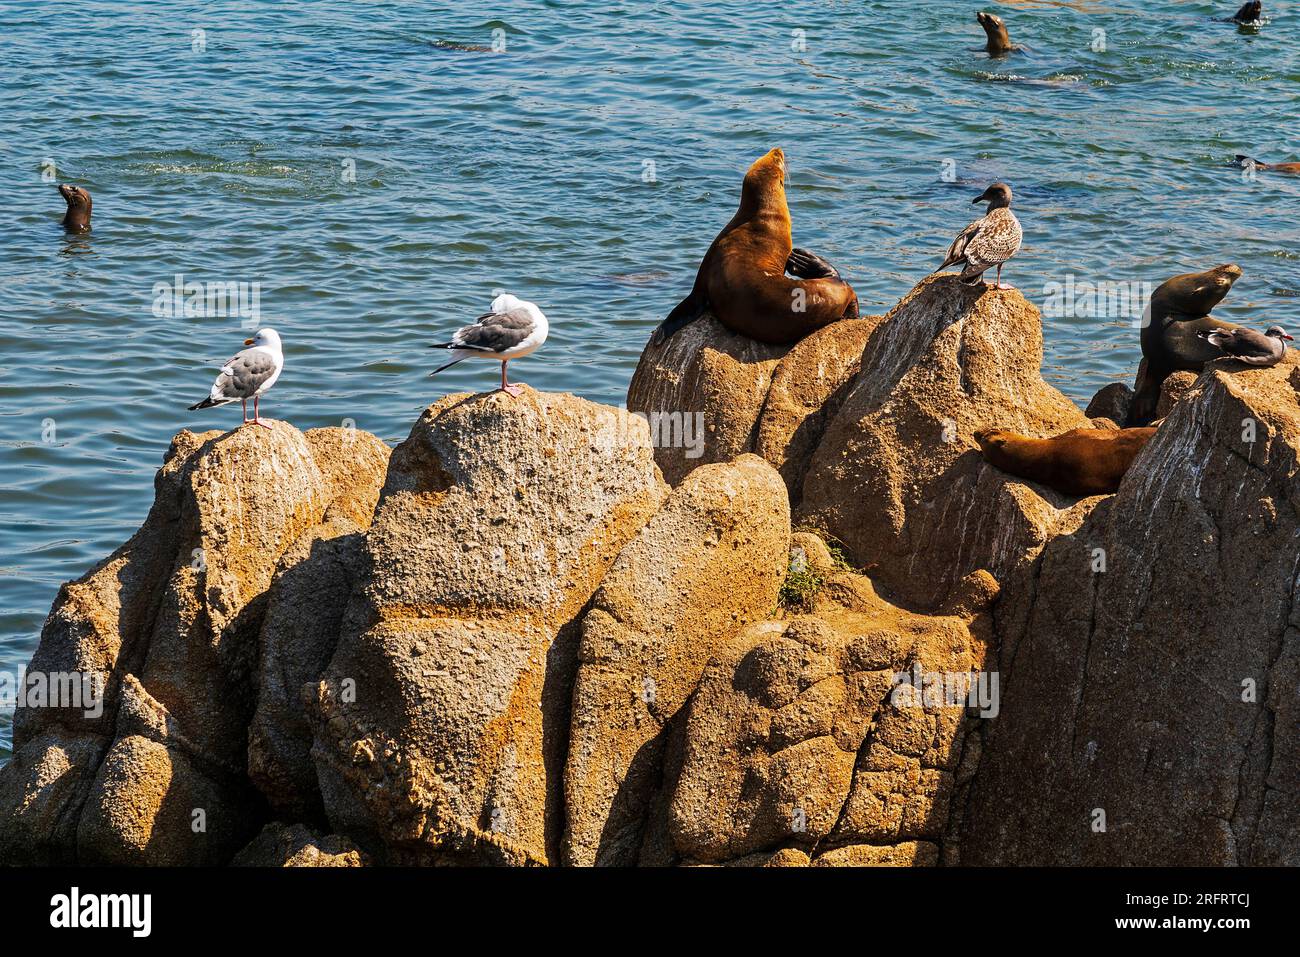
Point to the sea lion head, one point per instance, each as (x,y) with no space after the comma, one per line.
(998,196)
(78,200)
(1249,12)
(996,31)
(993,439)
(765,181)
(1195,293)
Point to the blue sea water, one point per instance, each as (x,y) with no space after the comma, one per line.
(376,170)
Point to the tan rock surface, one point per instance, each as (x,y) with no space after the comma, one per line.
(898,477)
(1125,738)
(441,725)
(796,734)
(710,561)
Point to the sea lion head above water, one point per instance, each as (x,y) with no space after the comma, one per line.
(999,40)
(77,218)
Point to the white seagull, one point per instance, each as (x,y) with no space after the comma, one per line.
(513,329)
(248,374)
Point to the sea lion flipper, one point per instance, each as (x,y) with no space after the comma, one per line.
(807,265)
(684,313)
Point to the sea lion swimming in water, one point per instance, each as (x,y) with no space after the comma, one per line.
(999,40)
(1247,162)
(77,218)
(1249,12)
(742,278)
(1078,462)
(1179,311)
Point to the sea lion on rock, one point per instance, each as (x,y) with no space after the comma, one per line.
(743,280)
(999,40)
(1179,312)
(1078,462)
(77,218)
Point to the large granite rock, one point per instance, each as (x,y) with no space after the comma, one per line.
(170,622)
(800,736)
(442,720)
(747,396)
(709,562)
(898,478)
(1151,658)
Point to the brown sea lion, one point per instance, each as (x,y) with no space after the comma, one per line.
(1179,312)
(1078,462)
(1247,162)
(77,218)
(999,40)
(743,280)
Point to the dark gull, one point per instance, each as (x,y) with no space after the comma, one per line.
(1249,346)
(513,329)
(248,374)
(989,241)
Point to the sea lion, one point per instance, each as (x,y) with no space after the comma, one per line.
(1078,462)
(1247,162)
(77,218)
(742,278)
(999,40)
(1179,310)
(1249,12)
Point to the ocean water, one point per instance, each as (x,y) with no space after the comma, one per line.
(374,171)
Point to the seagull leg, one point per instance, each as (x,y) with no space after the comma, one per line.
(999,284)
(244,403)
(515,390)
(256,420)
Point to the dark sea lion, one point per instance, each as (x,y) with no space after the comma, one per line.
(1078,462)
(743,280)
(1179,311)
(77,218)
(1249,13)
(999,40)
(1247,162)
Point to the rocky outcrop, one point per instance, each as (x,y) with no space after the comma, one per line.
(710,562)
(441,722)
(154,773)
(898,477)
(285,845)
(1151,658)
(733,395)
(512,641)
(816,732)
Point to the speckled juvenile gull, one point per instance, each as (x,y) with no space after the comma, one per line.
(1251,347)
(248,374)
(989,241)
(513,329)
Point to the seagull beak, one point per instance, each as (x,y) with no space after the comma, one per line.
(248,342)
(1288,338)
